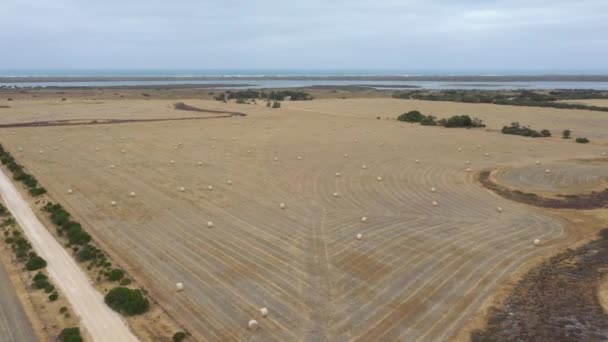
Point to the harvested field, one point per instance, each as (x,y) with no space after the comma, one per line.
(419,272)
(14,324)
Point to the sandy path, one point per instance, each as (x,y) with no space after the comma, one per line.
(97,319)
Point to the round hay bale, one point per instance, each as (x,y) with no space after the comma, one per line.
(433,189)
(364,219)
(345,155)
(213,138)
(356,141)
(538,162)
(113,203)
(55,148)
(460,149)
(179,287)
(299,157)
(112,166)
(417,161)
(182,189)
(336,194)
(172,161)
(499,209)
(536,242)
(338,174)
(486,154)
(468,162)
(469,169)
(209,224)
(252,325)
(364,167)
(200,163)
(60,139)
(20,149)
(132,194)
(209,187)
(233,139)
(70,191)
(264,312)
(435,203)
(547,171)
(229,182)
(379,179)
(123,151)
(213,147)
(275,159)
(248,151)
(359,236)
(282,205)
(96,149)
(41,152)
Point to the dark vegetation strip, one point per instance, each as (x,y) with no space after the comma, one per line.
(24,254)
(592,200)
(556,301)
(511,98)
(20,174)
(456,121)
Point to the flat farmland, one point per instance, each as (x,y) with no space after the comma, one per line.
(433,247)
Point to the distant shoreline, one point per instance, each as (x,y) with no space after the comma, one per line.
(472,78)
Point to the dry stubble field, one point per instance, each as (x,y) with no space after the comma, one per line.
(420,272)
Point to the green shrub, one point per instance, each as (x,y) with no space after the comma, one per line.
(566,134)
(115,274)
(35,263)
(179,336)
(70,335)
(125,282)
(86,253)
(582,140)
(517,129)
(411,116)
(127,301)
(53,297)
(63,310)
(545,133)
(428,120)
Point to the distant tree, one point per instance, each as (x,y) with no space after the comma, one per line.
(35,263)
(545,133)
(127,301)
(582,140)
(411,116)
(566,134)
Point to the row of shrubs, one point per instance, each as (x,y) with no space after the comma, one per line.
(516,129)
(121,299)
(512,98)
(19,173)
(272,96)
(22,249)
(456,121)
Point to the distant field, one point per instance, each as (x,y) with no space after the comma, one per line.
(420,272)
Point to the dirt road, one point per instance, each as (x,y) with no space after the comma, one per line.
(101,323)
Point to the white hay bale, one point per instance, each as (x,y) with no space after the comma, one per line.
(364,219)
(359,236)
(469,169)
(345,155)
(536,242)
(172,161)
(364,167)
(123,137)
(233,139)
(299,157)
(468,162)
(417,161)
(20,149)
(200,163)
(248,151)
(213,147)
(433,189)
(113,203)
(499,209)
(179,287)
(112,166)
(209,187)
(61,139)
(123,151)
(264,312)
(96,149)
(547,171)
(55,148)
(41,152)
(538,162)
(460,149)
(338,174)
(435,203)
(275,159)
(486,154)
(379,179)
(182,189)
(70,191)
(282,205)
(210,224)
(356,140)
(336,194)
(478,146)
(252,325)
(229,182)
(132,194)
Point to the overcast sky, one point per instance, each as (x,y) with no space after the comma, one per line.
(308,34)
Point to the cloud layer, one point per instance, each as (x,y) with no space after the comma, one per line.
(312,34)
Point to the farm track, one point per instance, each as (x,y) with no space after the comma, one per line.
(418,274)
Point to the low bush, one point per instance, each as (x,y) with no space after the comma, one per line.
(516,129)
(115,274)
(582,140)
(545,133)
(428,120)
(53,297)
(127,301)
(35,263)
(566,134)
(70,335)
(411,116)
(276,104)
(179,336)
